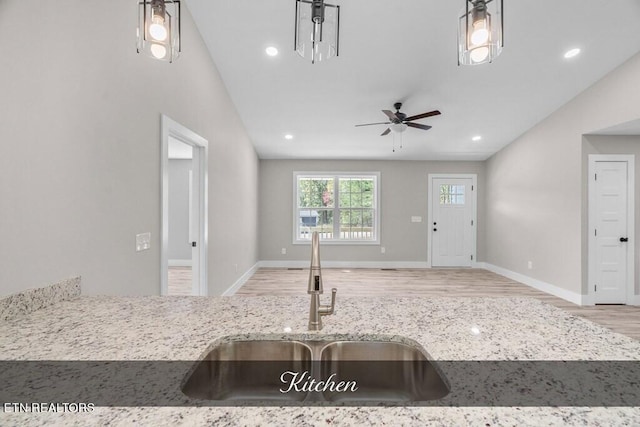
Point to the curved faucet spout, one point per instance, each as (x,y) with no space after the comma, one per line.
(316,310)
(315,272)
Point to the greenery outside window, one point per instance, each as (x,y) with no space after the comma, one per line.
(341,207)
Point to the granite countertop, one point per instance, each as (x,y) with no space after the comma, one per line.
(183,328)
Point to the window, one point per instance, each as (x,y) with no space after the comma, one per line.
(341,207)
(452,194)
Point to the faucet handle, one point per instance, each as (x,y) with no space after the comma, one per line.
(325,310)
(333,299)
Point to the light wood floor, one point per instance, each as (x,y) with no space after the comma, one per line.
(432,282)
(179,282)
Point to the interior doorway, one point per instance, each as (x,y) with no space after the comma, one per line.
(611,229)
(184,211)
(452,220)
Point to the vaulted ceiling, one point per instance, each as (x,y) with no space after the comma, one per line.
(405,50)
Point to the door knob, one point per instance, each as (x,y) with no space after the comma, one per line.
(624,239)
(193,244)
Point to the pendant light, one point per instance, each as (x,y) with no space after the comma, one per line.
(159,29)
(480,32)
(317,30)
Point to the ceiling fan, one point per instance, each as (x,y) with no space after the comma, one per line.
(399,121)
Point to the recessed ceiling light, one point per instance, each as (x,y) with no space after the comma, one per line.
(476,138)
(571,53)
(288,136)
(271,51)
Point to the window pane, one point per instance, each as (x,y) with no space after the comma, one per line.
(345,185)
(315,192)
(345,219)
(355,210)
(345,199)
(356,192)
(310,220)
(367,199)
(452,194)
(367,218)
(356,200)
(357,224)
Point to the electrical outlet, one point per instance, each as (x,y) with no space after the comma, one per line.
(416,219)
(283,251)
(236,267)
(530,265)
(143,242)
(383,250)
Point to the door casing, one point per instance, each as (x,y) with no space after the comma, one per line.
(474,213)
(592,270)
(171,128)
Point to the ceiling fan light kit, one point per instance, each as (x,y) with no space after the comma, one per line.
(317,30)
(398,127)
(399,122)
(480,32)
(159,29)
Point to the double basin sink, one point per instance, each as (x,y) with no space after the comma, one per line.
(307,371)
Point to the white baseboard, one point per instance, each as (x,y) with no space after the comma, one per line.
(241,281)
(345,264)
(180,263)
(636,300)
(573,297)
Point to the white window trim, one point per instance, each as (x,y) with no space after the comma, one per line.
(363,174)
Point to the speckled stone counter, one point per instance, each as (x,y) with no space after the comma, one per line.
(35,299)
(183,328)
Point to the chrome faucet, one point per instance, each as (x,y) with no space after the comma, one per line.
(316,310)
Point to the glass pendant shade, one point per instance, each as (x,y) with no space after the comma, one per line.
(159,29)
(480,32)
(317,30)
(398,127)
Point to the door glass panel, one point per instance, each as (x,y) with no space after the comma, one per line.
(451,194)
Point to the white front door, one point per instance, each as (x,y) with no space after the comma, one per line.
(452,222)
(611,232)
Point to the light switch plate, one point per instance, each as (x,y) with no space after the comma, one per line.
(416,219)
(143,242)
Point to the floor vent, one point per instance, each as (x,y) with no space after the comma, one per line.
(295,268)
(389,269)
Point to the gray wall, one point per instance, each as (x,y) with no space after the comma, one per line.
(600,144)
(403,193)
(80,150)
(535,201)
(179,247)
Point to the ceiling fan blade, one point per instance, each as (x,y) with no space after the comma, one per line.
(386,132)
(417,126)
(392,116)
(371,124)
(423,115)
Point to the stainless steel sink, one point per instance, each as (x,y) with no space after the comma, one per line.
(252,371)
(248,371)
(384,372)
